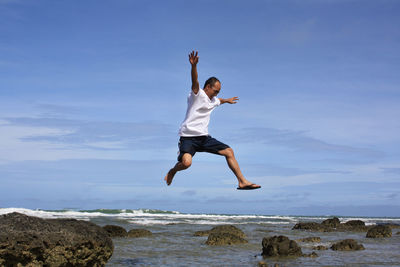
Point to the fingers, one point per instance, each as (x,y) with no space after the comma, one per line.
(234,100)
(194,54)
(193,57)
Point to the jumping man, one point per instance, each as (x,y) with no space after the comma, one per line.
(193,132)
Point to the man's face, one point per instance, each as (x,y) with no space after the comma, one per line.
(212,91)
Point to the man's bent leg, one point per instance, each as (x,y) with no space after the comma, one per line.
(179,166)
(234,166)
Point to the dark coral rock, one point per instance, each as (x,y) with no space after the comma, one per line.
(379,231)
(115,231)
(202,233)
(311,255)
(222,239)
(333,223)
(311,226)
(320,248)
(391,225)
(32,241)
(347,245)
(355,223)
(229,229)
(139,233)
(280,246)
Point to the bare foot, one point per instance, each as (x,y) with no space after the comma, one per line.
(170,175)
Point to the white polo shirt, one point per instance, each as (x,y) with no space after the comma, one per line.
(198,114)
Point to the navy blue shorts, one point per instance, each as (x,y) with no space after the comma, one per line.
(195,144)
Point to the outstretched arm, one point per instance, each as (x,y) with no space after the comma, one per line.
(232,100)
(194,59)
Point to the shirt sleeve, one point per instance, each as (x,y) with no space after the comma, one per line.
(198,93)
(216,101)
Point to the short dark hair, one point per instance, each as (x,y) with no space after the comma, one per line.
(211,81)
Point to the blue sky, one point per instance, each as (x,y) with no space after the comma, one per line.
(92,94)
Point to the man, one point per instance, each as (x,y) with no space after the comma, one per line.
(193,132)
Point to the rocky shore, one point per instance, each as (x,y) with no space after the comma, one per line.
(32,241)
(333,225)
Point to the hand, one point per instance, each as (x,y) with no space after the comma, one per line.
(232,100)
(193,58)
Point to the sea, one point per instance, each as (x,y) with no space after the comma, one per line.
(173,242)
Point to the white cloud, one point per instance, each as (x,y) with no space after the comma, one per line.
(27,138)
(349,114)
(276,181)
(13,148)
(3,122)
(299,141)
(107,145)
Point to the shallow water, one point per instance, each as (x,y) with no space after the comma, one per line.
(175,245)
(173,242)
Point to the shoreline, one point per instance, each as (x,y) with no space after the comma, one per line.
(173,241)
(142,211)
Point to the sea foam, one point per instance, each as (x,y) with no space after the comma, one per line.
(161,217)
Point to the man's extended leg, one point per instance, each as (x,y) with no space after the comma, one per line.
(234,166)
(179,166)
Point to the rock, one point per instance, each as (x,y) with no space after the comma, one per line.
(391,225)
(115,231)
(229,229)
(347,245)
(312,226)
(319,248)
(379,231)
(221,239)
(280,246)
(333,223)
(202,233)
(355,223)
(310,239)
(139,233)
(32,241)
(311,255)
(262,264)
(398,233)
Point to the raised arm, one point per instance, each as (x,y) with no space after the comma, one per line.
(194,59)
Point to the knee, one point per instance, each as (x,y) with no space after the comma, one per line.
(229,153)
(186,162)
